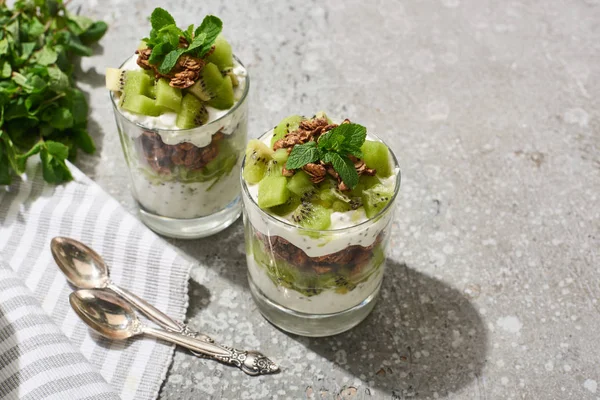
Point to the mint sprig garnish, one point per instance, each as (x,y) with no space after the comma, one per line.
(164,39)
(41,110)
(333,147)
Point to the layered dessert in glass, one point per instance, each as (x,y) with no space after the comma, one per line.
(318,203)
(181,111)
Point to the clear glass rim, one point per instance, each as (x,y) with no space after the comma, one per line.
(273,219)
(216,121)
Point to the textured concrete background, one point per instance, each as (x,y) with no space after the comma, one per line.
(492,108)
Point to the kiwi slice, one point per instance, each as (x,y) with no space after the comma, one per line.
(377,156)
(288,124)
(312,216)
(300,183)
(223,95)
(258,156)
(222,56)
(375,199)
(167,96)
(210,80)
(272,191)
(114,79)
(140,104)
(192,113)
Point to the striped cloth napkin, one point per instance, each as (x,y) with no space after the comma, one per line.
(45,350)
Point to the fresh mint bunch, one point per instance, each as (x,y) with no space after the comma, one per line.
(41,110)
(333,147)
(164,39)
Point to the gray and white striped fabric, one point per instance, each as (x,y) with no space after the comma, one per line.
(45,350)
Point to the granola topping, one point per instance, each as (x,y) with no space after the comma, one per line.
(316,172)
(185,73)
(311,130)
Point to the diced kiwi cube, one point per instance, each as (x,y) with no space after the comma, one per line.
(300,183)
(340,206)
(288,124)
(272,191)
(140,104)
(377,156)
(210,80)
(167,96)
(286,208)
(281,156)
(376,198)
(223,95)
(137,82)
(192,113)
(222,56)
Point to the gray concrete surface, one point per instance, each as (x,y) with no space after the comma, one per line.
(492,108)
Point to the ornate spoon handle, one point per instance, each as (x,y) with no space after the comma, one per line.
(251,362)
(156,315)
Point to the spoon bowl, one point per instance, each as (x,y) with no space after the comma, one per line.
(105,312)
(82,266)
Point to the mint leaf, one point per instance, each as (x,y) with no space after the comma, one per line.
(355,135)
(160,17)
(344,139)
(53,164)
(197,42)
(94,32)
(170,34)
(159,51)
(211,26)
(45,56)
(302,154)
(4,46)
(84,141)
(62,119)
(59,81)
(170,60)
(189,33)
(344,167)
(332,140)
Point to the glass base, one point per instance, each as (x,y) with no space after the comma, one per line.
(313,325)
(192,228)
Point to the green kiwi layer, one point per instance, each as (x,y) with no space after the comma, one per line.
(304,279)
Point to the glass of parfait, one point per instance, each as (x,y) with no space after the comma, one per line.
(183,134)
(316,235)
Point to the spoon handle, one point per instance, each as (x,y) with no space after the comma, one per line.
(155,314)
(251,362)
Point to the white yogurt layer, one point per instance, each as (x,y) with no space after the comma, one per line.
(186,200)
(326,302)
(199,136)
(355,230)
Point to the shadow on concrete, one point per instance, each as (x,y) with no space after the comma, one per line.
(423,338)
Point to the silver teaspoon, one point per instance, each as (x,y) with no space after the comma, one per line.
(86,269)
(113,318)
